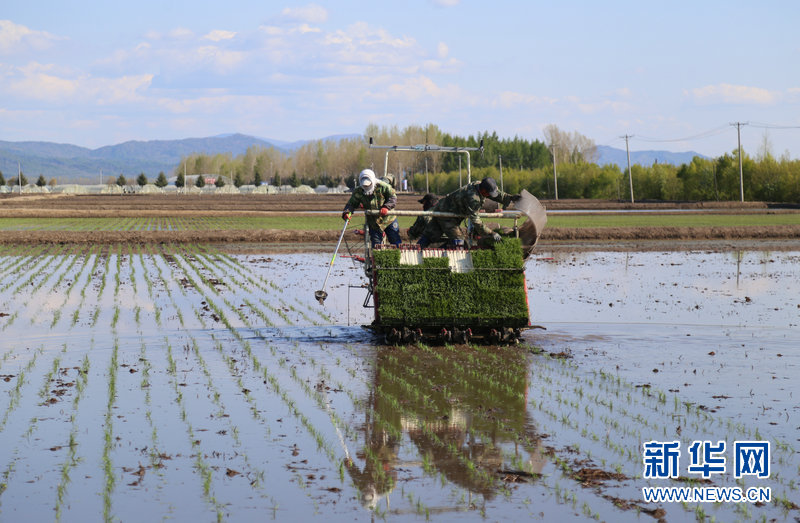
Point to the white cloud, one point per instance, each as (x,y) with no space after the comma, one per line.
(45,84)
(181,33)
(221,60)
(446,3)
(511,99)
(15,38)
(591,108)
(736,94)
(219,103)
(442,50)
(311,13)
(438,66)
(218,35)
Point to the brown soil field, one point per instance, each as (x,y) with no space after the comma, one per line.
(76,206)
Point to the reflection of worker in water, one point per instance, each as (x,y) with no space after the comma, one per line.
(461,420)
(376,195)
(466,201)
(415,231)
(378,476)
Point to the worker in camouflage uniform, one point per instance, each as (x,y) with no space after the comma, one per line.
(415,231)
(466,201)
(373,194)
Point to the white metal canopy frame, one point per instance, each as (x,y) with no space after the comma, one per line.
(425,148)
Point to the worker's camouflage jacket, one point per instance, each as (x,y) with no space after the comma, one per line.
(382,196)
(416,229)
(468,201)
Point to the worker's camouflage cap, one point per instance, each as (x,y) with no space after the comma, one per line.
(428,201)
(490,186)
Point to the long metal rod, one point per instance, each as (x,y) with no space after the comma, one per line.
(425,148)
(346,223)
(436,214)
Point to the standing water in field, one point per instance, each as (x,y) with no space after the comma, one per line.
(154,381)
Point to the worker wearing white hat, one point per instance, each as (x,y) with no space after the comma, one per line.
(376,195)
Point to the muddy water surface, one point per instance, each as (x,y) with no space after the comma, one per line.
(144,383)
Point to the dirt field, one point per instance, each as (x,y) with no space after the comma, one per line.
(96,206)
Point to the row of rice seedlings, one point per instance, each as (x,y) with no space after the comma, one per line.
(62,255)
(15,396)
(283,394)
(71,458)
(94,254)
(154,452)
(101,289)
(594,434)
(20,255)
(200,463)
(273,381)
(149,282)
(43,274)
(25,278)
(154,256)
(277,386)
(259,282)
(137,308)
(255,474)
(233,282)
(81,273)
(701,423)
(25,281)
(108,432)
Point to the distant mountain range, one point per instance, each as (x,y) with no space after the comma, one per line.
(74,164)
(610,155)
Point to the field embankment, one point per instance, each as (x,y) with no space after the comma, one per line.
(312,219)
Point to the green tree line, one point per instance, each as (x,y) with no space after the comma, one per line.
(526,164)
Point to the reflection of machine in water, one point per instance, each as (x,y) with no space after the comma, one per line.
(456,409)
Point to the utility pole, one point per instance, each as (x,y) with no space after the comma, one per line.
(427,189)
(555,174)
(741,178)
(19,177)
(500,156)
(627,150)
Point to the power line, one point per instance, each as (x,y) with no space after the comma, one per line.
(706,134)
(773,126)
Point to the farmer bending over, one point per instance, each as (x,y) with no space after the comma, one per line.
(467,201)
(427,201)
(373,194)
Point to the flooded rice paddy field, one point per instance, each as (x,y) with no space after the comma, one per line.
(144,382)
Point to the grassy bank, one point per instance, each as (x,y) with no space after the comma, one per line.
(325,222)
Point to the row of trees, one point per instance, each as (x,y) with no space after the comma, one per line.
(765,179)
(22,179)
(331,162)
(525,165)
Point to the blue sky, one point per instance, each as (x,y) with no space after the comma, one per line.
(674,75)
